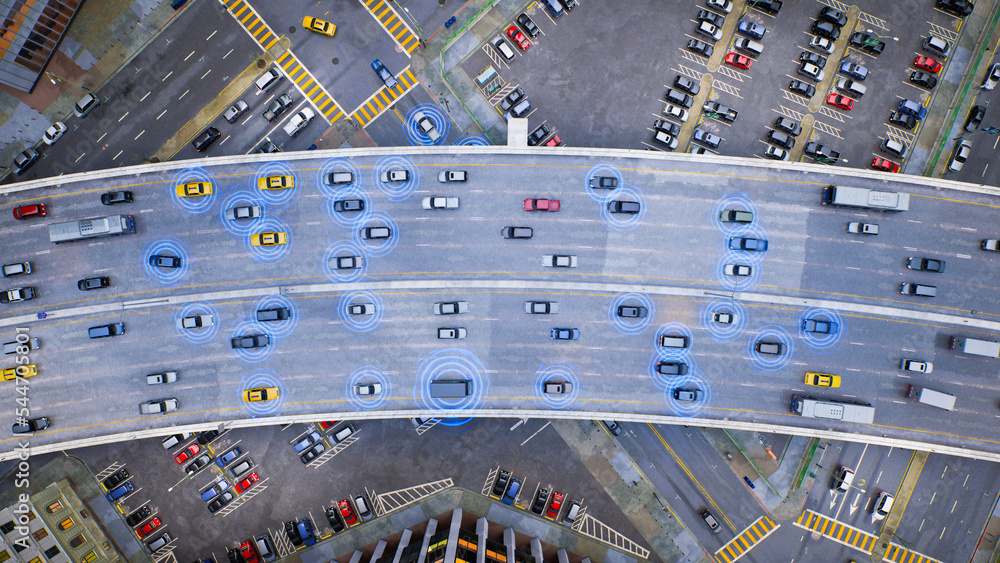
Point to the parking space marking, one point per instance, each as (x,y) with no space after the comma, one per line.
(336,449)
(689,72)
(725,87)
(107,472)
(942,32)
(900,134)
(383,98)
(726,71)
(390,21)
(839,116)
(802,101)
(244,498)
(870,20)
(310,87)
(494,56)
(747,539)
(694,58)
(251,22)
(824,128)
(427,425)
(501,93)
(790,113)
(282,543)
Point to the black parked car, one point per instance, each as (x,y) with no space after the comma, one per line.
(904,120)
(207,436)
(116,478)
(138,516)
(802,88)
(540,499)
(501,483)
(976,115)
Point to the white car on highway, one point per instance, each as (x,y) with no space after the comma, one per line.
(196,321)
(440,202)
(559,261)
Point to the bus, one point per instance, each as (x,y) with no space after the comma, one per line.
(95,227)
(810,407)
(845,196)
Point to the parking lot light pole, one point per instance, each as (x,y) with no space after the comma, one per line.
(881,36)
(185,478)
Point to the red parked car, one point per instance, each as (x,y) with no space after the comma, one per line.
(515,34)
(532,204)
(247,483)
(249,553)
(187,453)
(555,506)
(739,61)
(347,512)
(555,141)
(842,102)
(927,63)
(26,211)
(148,528)
(884,165)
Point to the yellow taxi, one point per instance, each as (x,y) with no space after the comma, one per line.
(10,374)
(319,26)
(822,379)
(260,394)
(276,183)
(268,239)
(194,189)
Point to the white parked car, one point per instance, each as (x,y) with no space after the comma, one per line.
(54,133)
(680,114)
(960,155)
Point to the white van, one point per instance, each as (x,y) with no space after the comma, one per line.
(572,514)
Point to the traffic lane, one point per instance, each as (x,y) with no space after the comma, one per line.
(953,497)
(716,486)
(143,107)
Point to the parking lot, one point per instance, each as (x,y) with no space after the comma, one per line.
(594,78)
(380,457)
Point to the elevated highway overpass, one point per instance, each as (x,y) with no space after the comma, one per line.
(670,258)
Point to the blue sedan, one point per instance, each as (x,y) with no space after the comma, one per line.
(227,458)
(855,71)
(384,74)
(912,108)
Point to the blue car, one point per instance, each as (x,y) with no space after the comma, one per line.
(305,532)
(912,108)
(121,491)
(854,70)
(511,494)
(227,458)
(752,30)
(384,74)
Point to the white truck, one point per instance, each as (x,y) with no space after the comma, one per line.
(845,196)
(976,347)
(931,397)
(299,121)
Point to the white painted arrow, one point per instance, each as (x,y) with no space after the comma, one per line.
(854,505)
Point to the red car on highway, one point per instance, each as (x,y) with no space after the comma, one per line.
(515,34)
(842,102)
(532,204)
(739,61)
(926,63)
(26,211)
(187,453)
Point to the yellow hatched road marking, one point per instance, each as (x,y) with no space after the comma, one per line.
(857,539)
(390,21)
(747,539)
(382,99)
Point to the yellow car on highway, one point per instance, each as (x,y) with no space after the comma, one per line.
(268,239)
(10,374)
(260,394)
(194,189)
(319,26)
(276,183)
(822,380)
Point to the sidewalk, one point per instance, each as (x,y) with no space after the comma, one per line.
(103,38)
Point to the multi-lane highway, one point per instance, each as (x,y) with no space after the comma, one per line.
(669,258)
